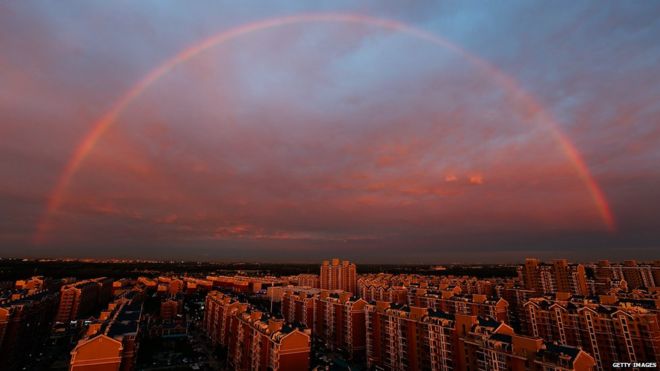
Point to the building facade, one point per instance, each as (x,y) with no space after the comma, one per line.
(338,275)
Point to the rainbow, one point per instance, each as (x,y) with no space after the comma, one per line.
(511,87)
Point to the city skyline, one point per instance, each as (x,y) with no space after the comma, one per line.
(534,316)
(292,132)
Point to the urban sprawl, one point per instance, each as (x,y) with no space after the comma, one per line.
(550,316)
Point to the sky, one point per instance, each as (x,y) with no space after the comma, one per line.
(489,141)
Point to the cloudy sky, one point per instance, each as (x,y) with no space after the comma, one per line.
(313,139)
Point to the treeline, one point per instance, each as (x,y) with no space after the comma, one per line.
(14,269)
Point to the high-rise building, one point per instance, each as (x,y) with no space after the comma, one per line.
(609,332)
(259,343)
(413,338)
(570,278)
(338,275)
(169,308)
(335,318)
(298,306)
(500,348)
(79,298)
(218,309)
(408,338)
(635,275)
(531,276)
(516,297)
(559,276)
(339,321)
(24,321)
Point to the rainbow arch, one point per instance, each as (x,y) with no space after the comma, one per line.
(511,86)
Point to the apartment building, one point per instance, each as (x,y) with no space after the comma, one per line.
(603,328)
(398,288)
(197,284)
(80,298)
(101,352)
(447,301)
(635,275)
(169,308)
(262,343)
(414,338)
(569,278)
(338,275)
(516,297)
(244,284)
(550,278)
(383,292)
(24,321)
(218,309)
(170,286)
(339,321)
(112,343)
(335,317)
(472,285)
(37,284)
(409,338)
(309,280)
(298,306)
(499,348)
